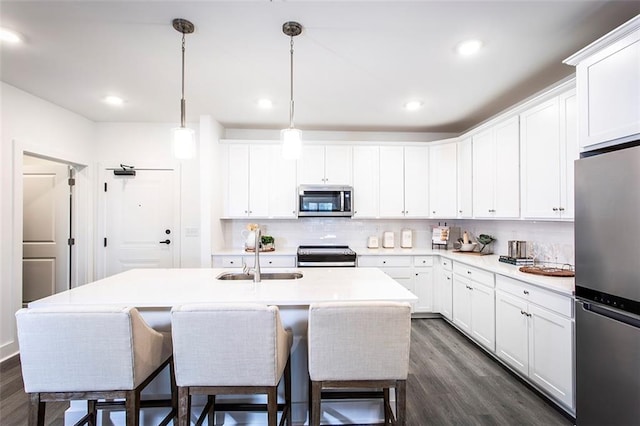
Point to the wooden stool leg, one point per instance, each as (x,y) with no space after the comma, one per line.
(36,410)
(316,396)
(92,411)
(401,402)
(174,389)
(183,406)
(132,407)
(287,391)
(272,406)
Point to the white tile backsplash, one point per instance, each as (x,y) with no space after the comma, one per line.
(552,241)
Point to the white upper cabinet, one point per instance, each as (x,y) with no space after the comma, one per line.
(260,183)
(443,180)
(496,171)
(404,181)
(325,165)
(549,146)
(416,181)
(464,167)
(608,85)
(366,181)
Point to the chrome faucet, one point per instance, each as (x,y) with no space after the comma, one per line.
(256,263)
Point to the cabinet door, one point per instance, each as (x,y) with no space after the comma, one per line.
(483,174)
(416,181)
(338,165)
(282,185)
(462,303)
(446,295)
(366,181)
(483,315)
(609,88)
(391,182)
(237,204)
(465,179)
(540,142)
(442,180)
(507,169)
(259,157)
(512,332)
(423,288)
(569,152)
(551,353)
(311,165)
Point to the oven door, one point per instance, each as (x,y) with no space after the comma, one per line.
(319,201)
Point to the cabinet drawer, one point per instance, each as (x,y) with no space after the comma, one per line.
(230,261)
(544,298)
(384,261)
(423,261)
(477,275)
(446,264)
(276,261)
(398,274)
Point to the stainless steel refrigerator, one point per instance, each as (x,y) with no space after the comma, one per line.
(607,244)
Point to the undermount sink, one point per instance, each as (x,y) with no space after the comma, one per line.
(264,276)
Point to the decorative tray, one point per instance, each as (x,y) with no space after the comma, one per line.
(549,271)
(474,253)
(252,250)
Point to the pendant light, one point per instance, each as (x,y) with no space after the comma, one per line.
(184,144)
(291,137)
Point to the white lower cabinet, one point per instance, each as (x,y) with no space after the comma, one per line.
(534,335)
(444,288)
(474,303)
(266,261)
(415,273)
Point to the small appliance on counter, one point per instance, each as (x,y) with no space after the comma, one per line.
(444,236)
(388,240)
(406,238)
(372,242)
(326,256)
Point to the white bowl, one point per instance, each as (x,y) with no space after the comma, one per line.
(468,247)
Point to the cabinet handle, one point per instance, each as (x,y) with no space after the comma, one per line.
(522,312)
(246,211)
(459,211)
(525,313)
(434,212)
(469,272)
(384,261)
(448,278)
(470,288)
(561,209)
(526,291)
(555,209)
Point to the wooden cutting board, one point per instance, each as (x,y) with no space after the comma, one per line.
(547,271)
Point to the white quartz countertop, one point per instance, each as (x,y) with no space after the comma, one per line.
(169,287)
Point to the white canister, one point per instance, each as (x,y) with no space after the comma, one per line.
(406,238)
(387,240)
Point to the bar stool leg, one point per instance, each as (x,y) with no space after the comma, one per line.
(316,395)
(183,406)
(36,410)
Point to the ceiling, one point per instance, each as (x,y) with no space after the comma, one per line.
(356,62)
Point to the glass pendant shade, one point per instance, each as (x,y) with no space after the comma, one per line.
(184,143)
(291,143)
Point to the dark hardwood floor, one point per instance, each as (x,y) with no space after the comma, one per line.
(451,382)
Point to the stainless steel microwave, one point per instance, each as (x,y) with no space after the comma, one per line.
(325,200)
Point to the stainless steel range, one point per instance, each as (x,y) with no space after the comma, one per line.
(334,256)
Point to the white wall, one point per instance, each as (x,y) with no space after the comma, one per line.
(149,145)
(35,126)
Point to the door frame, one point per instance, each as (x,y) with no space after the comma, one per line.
(101,220)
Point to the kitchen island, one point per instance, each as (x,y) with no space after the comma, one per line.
(155,291)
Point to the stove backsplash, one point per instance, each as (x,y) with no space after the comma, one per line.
(552,240)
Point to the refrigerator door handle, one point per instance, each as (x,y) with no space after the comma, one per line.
(609,313)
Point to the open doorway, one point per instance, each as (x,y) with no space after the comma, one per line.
(47,227)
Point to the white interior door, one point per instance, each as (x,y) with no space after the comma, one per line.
(142,221)
(46,214)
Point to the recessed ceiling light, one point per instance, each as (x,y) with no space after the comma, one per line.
(9,36)
(114,100)
(468,47)
(265,103)
(413,105)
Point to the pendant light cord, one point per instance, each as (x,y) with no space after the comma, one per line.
(291,88)
(182,100)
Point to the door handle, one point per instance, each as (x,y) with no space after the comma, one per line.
(167,241)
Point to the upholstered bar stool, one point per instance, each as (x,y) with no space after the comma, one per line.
(224,349)
(355,345)
(90,353)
